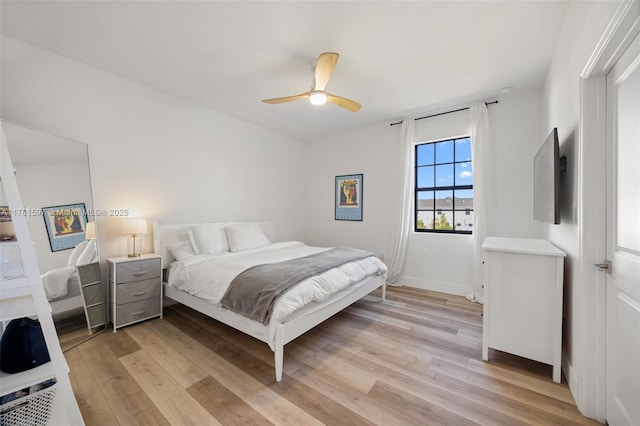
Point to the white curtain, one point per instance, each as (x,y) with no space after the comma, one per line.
(404,210)
(479,120)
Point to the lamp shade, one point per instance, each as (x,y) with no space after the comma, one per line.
(90,232)
(134,226)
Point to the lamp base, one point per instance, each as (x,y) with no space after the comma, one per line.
(134,246)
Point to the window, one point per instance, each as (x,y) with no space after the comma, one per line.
(444,186)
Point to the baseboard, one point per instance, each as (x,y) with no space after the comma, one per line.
(440,286)
(571,376)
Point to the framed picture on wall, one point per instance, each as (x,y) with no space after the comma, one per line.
(66,225)
(348,197)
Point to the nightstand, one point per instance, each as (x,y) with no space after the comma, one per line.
(135,289)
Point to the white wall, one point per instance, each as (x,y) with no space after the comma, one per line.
(158,156)
(584,24)
(371,151)
(434,261)
(517,133)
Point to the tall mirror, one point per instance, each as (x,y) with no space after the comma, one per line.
(54,181)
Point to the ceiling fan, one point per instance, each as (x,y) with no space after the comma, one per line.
(317,95)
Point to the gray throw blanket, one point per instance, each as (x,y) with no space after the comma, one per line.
(254,291)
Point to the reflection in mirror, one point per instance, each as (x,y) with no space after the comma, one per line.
(55,185)
(93,292)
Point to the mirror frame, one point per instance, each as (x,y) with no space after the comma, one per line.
(87,272)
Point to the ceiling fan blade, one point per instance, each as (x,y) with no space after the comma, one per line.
(344,102)
(324,68)
(286,98)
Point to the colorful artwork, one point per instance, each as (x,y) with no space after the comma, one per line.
(66,225)
(349,197)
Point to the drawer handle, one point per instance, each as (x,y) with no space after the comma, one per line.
(140,293)
(15,407)
(137,274)
(138,312)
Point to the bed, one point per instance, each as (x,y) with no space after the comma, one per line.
(191,281)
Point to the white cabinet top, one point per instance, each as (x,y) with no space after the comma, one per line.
(133,259)
(522,245)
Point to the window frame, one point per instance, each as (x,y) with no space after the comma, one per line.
(453,188)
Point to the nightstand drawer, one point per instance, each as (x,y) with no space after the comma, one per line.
(138,290)
(94,293)
(97,315)
(138,270)
(137,311)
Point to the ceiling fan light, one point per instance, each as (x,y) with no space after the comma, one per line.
(318,98)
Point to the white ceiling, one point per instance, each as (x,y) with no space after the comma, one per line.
(397,59)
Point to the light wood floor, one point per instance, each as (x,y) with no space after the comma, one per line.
(413,360)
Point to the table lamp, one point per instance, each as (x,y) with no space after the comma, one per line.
(90,231)
(133,228)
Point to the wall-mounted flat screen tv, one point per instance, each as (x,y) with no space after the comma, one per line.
(546,175)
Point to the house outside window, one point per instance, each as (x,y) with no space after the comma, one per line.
(444,186)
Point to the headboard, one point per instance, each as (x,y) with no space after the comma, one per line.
(166,234)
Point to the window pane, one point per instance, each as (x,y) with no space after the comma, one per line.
(444,175)
(463,149)
(425,200)
(444,200)
(425,154)
(464,220)
(464,199)
(464,174)
(425,220)
(444,152)
(444,221)
(425,177)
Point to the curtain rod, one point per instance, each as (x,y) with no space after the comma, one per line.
(443,113)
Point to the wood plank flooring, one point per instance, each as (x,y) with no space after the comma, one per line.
(412,360)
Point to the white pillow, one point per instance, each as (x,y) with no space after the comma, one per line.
(77,251)
(208,239)
(245,236)
(88,254)
(181,250)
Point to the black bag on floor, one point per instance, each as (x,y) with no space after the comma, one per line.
(22,346)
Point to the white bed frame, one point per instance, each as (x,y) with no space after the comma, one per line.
(297,324)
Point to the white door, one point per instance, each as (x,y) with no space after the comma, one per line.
(623,240)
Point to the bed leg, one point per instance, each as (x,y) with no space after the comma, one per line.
(384,292)
(278,355)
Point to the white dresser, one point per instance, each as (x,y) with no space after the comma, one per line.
(523,299)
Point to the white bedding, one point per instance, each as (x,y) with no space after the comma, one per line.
(208,276)
(56,281)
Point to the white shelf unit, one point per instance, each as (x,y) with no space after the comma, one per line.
(22,295)
(523,299)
